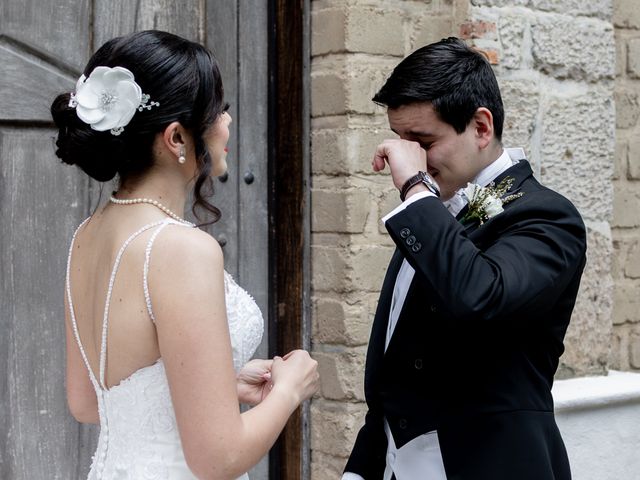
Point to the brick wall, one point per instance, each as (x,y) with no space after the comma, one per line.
(625,352)
(555,63)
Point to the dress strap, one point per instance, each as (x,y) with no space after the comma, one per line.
(145,279)
(72,314)
(112,278)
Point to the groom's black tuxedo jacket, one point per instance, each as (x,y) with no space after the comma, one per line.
(479,336)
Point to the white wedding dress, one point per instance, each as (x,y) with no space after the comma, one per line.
(138,433)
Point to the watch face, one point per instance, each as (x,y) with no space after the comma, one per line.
(430,183)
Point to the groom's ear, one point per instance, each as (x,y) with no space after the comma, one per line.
(482,123)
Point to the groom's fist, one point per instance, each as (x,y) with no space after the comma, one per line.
(405,159)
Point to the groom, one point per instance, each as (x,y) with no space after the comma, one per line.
(479,292)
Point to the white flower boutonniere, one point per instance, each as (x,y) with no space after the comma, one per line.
(108,99)
(487,202)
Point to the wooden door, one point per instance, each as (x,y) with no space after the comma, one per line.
(43,48)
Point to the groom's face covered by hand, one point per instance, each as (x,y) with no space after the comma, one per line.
(452,158)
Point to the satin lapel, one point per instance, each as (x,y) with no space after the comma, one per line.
(381,319)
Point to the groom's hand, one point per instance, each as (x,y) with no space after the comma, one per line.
(405,159)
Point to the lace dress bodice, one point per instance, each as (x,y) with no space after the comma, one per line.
(139,437)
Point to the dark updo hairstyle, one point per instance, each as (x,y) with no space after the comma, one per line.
(182,76)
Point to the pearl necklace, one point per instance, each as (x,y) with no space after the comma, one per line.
(150,201)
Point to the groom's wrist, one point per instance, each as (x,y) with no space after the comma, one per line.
(418,187)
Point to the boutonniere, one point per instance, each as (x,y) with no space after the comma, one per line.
(487,202)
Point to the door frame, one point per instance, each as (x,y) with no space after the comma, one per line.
(289,213)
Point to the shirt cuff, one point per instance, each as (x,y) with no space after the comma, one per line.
(413,198)
(351,476)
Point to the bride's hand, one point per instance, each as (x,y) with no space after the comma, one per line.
(296,374)
(253,381)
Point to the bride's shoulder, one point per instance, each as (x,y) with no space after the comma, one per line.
(187,247)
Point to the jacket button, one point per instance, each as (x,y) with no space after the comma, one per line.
(418,364)
(405,232)
(416,248)
(402,423)
(410,240)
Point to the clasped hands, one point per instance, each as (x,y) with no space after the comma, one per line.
(255,380)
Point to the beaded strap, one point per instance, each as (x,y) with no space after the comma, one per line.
(112,278)
(72,314)
(147,258)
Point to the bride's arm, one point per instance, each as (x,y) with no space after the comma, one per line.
(187,291)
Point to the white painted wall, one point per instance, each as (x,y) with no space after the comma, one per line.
(599,418)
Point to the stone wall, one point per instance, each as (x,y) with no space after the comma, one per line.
(626,213)
(555,63)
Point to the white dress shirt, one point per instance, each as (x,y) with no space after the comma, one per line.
(422,454)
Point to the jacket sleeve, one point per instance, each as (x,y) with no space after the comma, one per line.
(368,456)
(540,247)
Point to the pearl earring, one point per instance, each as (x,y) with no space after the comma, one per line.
(182,158)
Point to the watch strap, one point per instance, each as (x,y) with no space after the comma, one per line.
(420,177)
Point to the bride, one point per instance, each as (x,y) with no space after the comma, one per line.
(158,334)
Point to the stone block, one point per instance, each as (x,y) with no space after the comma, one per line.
(359,268)
(626,307)
(588,335)
(632,162)
(328,93)
(621,54)
(358,29)
(327,31)
(326,467)
(626,14)
(343,211)
(389,201)
(601,9)
(575,48)
(512,31)
(619,355)
(624,242)
(625,207)
(329,266)
(338,321)
(576,155)
(335,425)
(621,158)
(345,151)
(429,29)
(369,265)
(375,30)
(632,265)
(634,351)
(627,107)
(344,84)
(341,373)
(633,58)
(521,99)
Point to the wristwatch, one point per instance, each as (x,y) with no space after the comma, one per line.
(420,177)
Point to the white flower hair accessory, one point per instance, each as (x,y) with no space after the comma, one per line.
(486,202)
(108,99)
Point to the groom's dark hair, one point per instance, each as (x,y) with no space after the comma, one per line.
(451,76)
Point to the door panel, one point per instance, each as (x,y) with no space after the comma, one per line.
(43,47)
